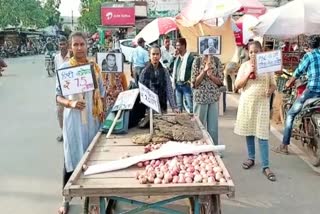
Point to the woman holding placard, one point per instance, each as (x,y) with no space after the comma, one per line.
(253,110)
(83,113)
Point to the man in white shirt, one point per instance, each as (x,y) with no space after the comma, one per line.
(139,59)
(167,53)
(60,58)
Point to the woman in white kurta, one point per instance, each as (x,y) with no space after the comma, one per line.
(253,117)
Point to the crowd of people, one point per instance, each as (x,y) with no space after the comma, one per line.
(177,77)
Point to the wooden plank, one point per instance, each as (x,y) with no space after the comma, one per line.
(129,186)
(125,173)
(114,153)
(75,175)
(123,141)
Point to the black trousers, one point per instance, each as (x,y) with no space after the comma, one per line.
(66,176)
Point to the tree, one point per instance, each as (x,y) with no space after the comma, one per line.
(90,14)
(29,13)
(51,12)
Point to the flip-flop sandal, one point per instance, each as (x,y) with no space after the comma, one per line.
(271,176)
(280,150)
(248,164)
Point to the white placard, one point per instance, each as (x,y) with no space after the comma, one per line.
(149,98)
(75,80)
(270,61)
(126,100)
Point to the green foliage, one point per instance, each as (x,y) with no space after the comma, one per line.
(29,13)
(90,14)
(51,12)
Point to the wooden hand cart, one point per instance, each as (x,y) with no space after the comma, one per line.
(122,186)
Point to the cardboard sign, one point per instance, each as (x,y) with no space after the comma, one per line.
(149,98)
(270,61)
(126,100)
(75,80)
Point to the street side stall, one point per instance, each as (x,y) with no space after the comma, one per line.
(204,182)
(175,160)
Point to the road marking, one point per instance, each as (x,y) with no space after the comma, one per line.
(279,136)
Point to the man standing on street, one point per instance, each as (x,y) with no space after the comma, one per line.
(167,53)
(182,75)
(311,65)
(140,58)
(59,59)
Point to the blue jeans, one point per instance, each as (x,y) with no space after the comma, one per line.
(184,91)
(136,73)
(293,111)
(264,150)
(209,116)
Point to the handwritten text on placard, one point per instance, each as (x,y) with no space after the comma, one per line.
(76,80)
(270,61)
(126,100)
(149,98)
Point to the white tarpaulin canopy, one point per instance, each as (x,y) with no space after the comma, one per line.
(292,19)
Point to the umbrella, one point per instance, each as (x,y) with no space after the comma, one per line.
(204,10)
(245,23)
(292,19)
(157,27)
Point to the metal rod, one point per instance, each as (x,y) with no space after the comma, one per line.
(196,205)
(102,205)
(151,121)
(156,206)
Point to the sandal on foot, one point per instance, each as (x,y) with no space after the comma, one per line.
(281,150)
(271,176)
(248,164)
(64,209)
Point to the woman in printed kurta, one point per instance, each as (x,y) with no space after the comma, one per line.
(253,110)
(114,83)
(78,132)
(206,78)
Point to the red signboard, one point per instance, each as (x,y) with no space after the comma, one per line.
(118,16)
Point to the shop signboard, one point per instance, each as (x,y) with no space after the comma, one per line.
(118,14)
(165,8)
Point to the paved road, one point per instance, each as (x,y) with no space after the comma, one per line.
(31,159)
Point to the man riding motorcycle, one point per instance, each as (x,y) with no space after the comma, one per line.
(49,47)
(310,64)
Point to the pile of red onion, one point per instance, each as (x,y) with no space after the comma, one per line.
(201,168)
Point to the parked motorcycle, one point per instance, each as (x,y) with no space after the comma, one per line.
(49,63)
(95,48)
(3,53)
(291,94)
(307,122)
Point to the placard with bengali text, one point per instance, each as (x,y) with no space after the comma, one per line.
(270,61)
(78,79)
